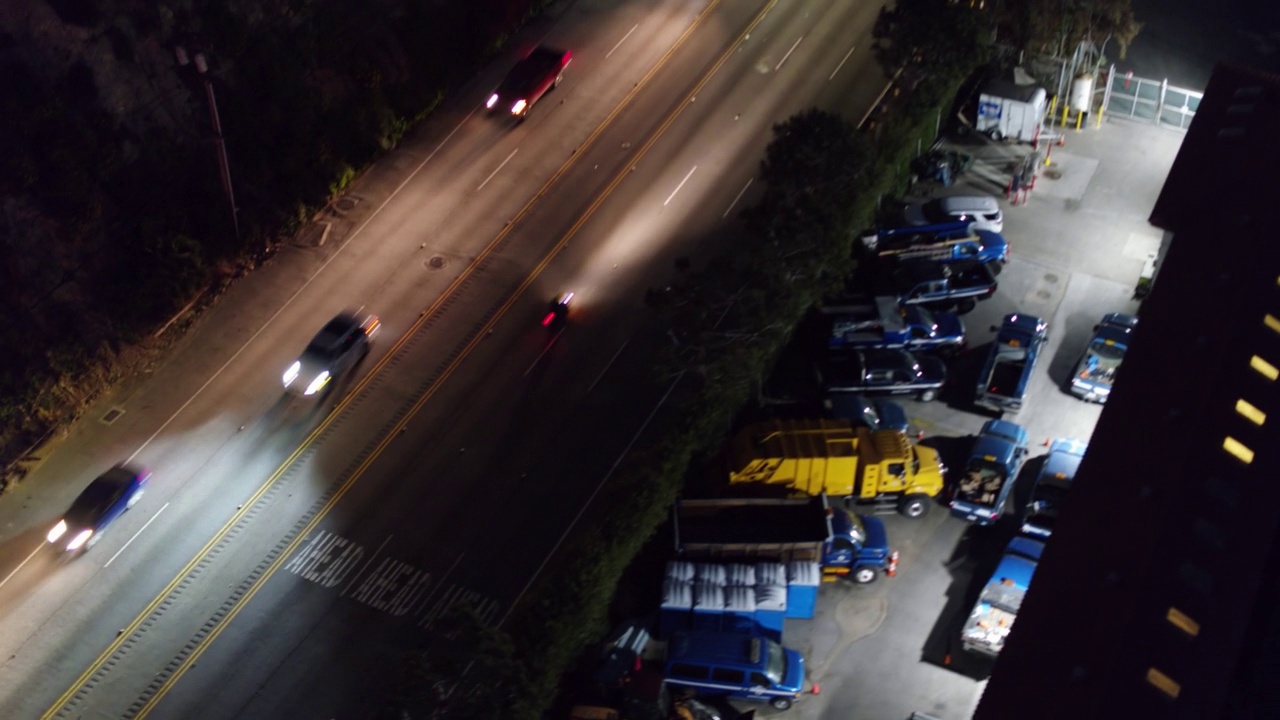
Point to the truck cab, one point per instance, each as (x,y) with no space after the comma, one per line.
(990,473)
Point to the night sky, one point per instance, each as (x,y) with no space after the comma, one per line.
(1182,39)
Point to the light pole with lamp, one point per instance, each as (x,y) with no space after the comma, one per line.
(202,68)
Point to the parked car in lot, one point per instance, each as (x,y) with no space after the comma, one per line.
(339,346)
(1097,368)
(862,411)
(1051,487)
(97,506)
(981,210)
(883,372)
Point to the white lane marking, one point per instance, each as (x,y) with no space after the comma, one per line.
(784,57)
(842,62)
(135,535)
(21,565)
(607,366)
(682,182)
(624,39)
(538,359)
(366,566)
(304,286)
(736,198)
(495,172)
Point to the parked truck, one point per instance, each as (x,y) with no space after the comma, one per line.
(1002,384)
(944,242)
(990,473)
(991,619)
(784,530)
(881,469)
(935,284)
(883,323)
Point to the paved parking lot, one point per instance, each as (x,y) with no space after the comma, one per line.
(1079,243)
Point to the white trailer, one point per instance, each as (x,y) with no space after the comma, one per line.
(1006,110)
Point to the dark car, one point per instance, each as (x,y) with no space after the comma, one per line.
(104,500)
(867,412)
(1096,370)
(539,72)
(1051,487)
(338,347)
(883,372)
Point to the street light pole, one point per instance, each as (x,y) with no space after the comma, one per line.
(224,168)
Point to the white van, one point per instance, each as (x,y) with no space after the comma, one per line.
(981,210)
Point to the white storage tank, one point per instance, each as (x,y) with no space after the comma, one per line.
(1082,93)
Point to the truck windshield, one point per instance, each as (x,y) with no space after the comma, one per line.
(981,482)
(857,529)
(775,662)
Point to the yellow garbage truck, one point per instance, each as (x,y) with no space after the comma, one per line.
(873,467)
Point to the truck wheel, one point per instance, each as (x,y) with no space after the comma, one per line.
(865,574)
(996,135)
(996,267)
(914,506)
(928,395)
(781,703)
(966,305)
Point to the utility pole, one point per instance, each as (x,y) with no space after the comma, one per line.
(224,169)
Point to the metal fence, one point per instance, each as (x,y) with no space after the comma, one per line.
(1143,99)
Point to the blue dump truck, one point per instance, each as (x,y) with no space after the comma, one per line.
(991,619)
(944,242)
(1003,382)
(883,323)
(991,472)
(1051,487)
(785,530)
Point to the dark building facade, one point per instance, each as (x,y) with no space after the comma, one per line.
(1158,594)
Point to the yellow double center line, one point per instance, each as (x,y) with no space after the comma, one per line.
(78,687)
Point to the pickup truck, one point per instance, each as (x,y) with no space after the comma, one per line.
(936,284)
(945,242)
(754,529)
(990,473)
(884,372)
(535,75)
(1051,487)
(991,619)
(1097,368)
(884,324)
(1002,384)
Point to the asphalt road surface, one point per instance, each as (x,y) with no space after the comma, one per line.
(287,552)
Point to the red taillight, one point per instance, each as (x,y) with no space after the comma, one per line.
(550,318)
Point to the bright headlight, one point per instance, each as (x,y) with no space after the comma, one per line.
(518,107)
(292,373)
(79,540)
(57,531)
(493,100)
(321,380)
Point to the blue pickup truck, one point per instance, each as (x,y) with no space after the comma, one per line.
(1002,384)
(1097,368)
(990,473)
(945,242)
(882,323)
(1051,487)
(992,617)
(936,284)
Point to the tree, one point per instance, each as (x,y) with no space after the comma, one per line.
(930,37)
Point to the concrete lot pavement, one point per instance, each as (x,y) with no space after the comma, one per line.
(1079,241)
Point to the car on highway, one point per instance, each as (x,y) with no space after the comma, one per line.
(1051,486)
(339,346)
(97,506)
(882,372)
(535,75)
(1097,368)
(981,210)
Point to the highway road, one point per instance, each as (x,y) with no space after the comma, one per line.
(287,553)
